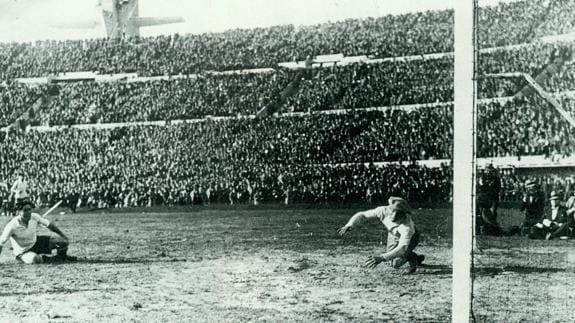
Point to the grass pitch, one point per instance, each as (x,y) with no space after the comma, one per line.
(208,265)
(521,280)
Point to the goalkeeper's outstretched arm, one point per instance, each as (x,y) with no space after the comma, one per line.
(356,219)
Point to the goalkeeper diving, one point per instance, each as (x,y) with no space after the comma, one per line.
(402,237)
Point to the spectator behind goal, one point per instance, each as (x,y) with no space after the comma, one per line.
(556,222)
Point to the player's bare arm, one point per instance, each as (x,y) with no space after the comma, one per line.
(6,233)
(52,227)
(355,220)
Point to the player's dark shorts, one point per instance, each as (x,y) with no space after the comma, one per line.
(42,246)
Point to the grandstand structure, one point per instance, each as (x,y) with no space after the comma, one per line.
(379,103)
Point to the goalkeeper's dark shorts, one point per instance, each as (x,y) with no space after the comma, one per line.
(41,247)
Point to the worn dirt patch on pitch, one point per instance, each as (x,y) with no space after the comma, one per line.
(224,266)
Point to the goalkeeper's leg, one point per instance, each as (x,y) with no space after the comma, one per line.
(410,256)
(413,258)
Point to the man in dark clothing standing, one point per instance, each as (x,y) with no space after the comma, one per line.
(532,205)
(488,190)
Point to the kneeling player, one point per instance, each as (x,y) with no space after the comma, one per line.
(402,235)
(27,245)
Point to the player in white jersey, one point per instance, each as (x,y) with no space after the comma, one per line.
(27,246)
(19,191)
(402,236)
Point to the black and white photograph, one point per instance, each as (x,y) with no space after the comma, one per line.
(287,161)
(227,160)
(523,248)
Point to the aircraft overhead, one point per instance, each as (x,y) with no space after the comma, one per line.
(120,18)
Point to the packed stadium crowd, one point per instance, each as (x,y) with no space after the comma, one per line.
(177,99)
(290,159)
(521,127)
(530,59)
(389,36)
(516,22)
(557,20)
(221,155)
(564,80)
(373,85)
(347,87)
(343,87)
(204,161)
(567,102)
(356,86)
(491,87)
(15,99)
(429,32)
(513,186)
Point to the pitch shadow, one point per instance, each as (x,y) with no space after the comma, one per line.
(118,261)
(491,271)
(59,291)
(434,269)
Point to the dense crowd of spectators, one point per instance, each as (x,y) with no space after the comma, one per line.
(389,36)
(176,99)
(521,127)
(510,23)
(312,158)
(558,19)
(422,134)
(213,161)
(272,159)
(493,87)
(517,22)
(347,87)
(528,126)
(340,87)
(567,102)
(530,59)
(534,60)
(513,185)
(563,80)
(373,85)
(15,99)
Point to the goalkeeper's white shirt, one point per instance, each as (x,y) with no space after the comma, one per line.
(403,231)
(21,236)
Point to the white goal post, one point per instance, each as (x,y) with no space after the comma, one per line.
(464,142)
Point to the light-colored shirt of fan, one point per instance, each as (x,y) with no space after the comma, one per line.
(20,189)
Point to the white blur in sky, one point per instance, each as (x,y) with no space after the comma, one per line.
(29,20)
